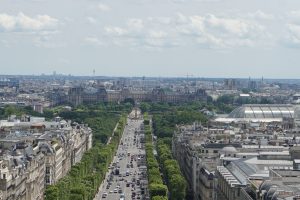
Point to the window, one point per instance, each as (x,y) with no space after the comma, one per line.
(239,192)
(47,170)
(216,151)
(47,179)
(4,176)
(206,151)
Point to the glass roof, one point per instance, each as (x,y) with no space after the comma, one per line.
(262,111)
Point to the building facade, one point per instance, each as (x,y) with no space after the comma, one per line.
(30,160)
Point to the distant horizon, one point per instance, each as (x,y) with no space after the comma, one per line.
(167,38)
(145,76)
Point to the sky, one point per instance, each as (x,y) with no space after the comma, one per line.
(172,38)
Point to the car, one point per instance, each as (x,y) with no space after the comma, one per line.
(122,196)
(104,195)
(120,191)
(107,187)
(115,190)
(111,191)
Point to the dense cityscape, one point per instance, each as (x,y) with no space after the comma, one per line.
(68,137)
(149,100)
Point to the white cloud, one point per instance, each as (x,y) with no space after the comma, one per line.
(115,31)
(91,20)
(135,24)
(93,40)
(158,34)
(237,27)
(294,29)
(260,15)
(294,15)
(156,39)
(160,20)
(221,32)
(293,35)
(7,22)
(22,22)
(103,7)
(209,30)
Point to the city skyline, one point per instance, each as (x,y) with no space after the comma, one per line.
(170,38)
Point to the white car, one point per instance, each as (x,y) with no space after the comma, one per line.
(104,195)
(122,196)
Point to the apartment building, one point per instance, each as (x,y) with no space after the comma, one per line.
(31,160)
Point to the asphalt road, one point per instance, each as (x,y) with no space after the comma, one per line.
(129,161)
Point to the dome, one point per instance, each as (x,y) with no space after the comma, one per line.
(228,150)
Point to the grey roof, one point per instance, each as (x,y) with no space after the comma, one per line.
(262,111)
(221,145)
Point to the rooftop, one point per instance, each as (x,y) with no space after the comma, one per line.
(262,111)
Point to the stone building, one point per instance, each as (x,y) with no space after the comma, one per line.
(234,168)
(31,160)
(79,95)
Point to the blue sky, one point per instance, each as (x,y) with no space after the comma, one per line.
(203,38)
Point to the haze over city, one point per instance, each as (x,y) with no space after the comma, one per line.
(204,38)
(149,100)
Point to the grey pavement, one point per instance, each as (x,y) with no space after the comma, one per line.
(129,160)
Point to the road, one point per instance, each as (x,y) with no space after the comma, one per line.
(129,160)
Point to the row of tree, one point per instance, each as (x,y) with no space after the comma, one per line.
(157,189)
(84,179)
(165,123)
(165,119)
(18,111)
(175,180)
